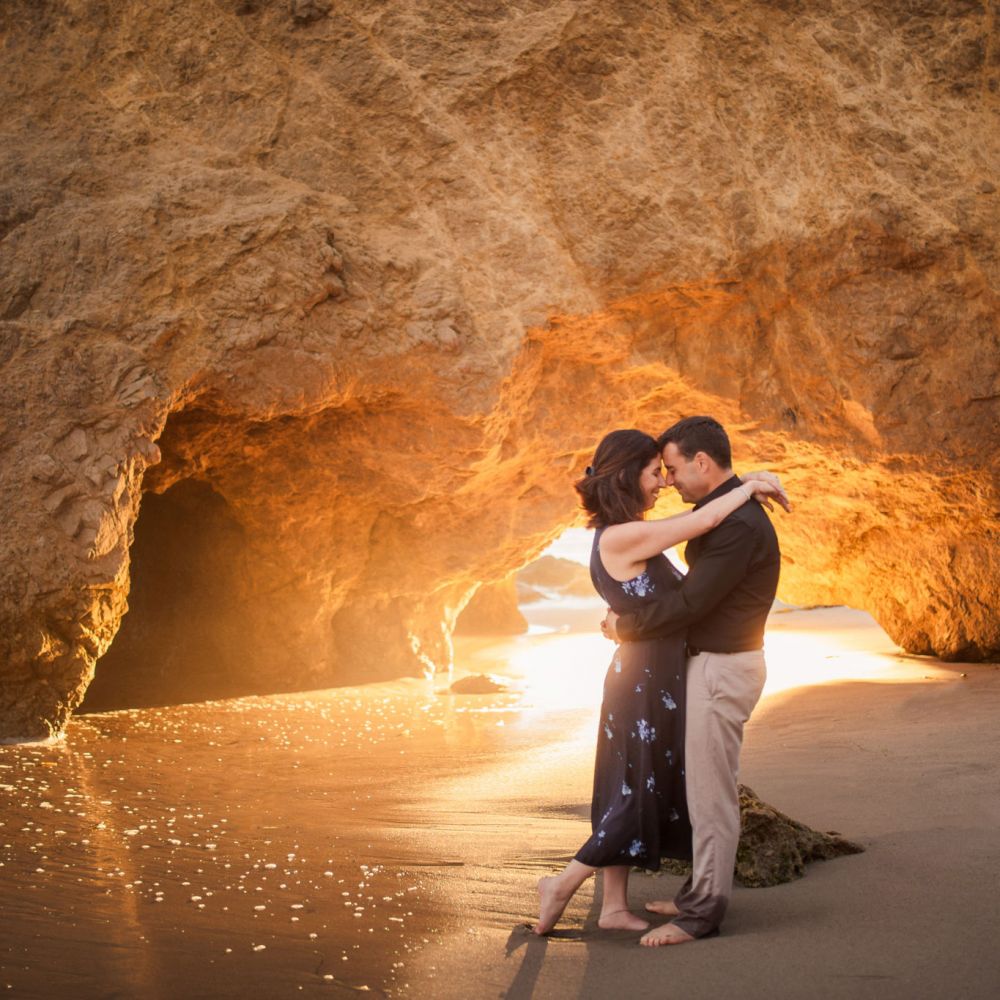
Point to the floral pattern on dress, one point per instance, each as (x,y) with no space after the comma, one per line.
(638,811)
(645,731)
(639,586)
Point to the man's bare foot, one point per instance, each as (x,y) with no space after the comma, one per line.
(551,904)
(665,934)
(621,920)
(665,907)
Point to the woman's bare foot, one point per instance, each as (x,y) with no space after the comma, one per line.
(666,908)
(551,903)
(621,920)
(665,934)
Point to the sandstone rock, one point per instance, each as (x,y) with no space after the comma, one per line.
(561,575)
(479,684)
(306,11)
(492,611)
(528,595)
(373,282)
(773,848)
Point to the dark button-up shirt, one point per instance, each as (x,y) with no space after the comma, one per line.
(728,591)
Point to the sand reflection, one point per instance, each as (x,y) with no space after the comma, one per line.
(828,645)
(268,845)
(561,663)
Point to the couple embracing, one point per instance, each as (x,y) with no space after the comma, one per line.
(685,676)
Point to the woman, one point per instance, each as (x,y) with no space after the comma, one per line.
(638,813)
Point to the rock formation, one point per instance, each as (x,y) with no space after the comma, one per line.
(311,312)
(774,848)
(479,684)
(561,577)
(493,610)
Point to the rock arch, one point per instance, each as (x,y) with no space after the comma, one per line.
(382,288)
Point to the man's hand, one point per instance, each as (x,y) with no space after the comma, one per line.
(609,626)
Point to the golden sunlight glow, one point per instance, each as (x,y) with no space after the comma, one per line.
(829,645)
(563,668)
(563,671)
(558,670)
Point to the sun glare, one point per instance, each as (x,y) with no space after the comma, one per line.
(561,662)
(563,669)
(805,647)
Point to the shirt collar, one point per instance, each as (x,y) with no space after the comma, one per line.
(721,490)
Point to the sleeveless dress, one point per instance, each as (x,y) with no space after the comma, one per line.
(639,811)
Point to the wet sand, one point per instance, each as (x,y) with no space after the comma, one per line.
(386,839)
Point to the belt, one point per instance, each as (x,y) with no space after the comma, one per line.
(697,650)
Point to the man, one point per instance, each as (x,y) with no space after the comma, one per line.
(722,603)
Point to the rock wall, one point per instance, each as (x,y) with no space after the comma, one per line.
(348,292)
(492,611)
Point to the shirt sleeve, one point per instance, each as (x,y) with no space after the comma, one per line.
(722,563)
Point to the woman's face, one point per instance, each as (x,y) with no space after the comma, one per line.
(651,481)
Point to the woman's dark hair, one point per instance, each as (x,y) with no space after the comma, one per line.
(610,491)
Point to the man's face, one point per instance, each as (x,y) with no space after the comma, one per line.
(689,478)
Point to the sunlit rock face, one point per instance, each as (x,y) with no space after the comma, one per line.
(349,292)
(493,610)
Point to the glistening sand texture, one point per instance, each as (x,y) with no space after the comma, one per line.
(456,805)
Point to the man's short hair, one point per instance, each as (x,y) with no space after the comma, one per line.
(694,434)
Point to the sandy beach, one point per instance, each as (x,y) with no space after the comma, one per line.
(386,839)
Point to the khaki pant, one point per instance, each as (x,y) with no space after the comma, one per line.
(722,690)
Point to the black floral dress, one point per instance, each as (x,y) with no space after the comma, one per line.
(639,811)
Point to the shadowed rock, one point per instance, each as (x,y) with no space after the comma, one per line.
(775,848)
(493,610)
(479,684)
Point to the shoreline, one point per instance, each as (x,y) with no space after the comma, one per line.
(387,839)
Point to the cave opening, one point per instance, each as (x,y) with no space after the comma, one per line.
(187,633)
(805,644)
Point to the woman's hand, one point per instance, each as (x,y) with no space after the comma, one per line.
(764,487)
